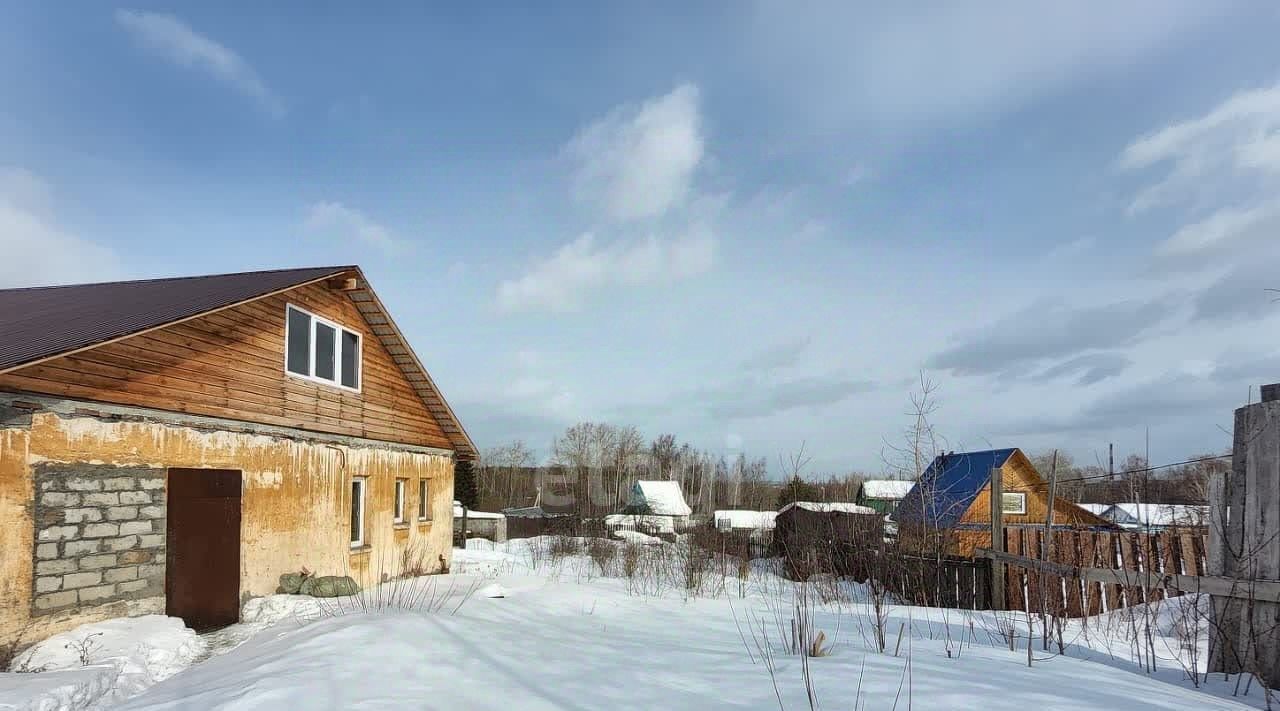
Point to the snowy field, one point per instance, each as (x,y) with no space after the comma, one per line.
(523,626)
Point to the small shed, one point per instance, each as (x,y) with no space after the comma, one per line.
(824,537)
(657,498)
(883,495)
(953,499)
(480,524)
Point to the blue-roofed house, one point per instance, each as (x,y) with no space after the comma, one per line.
(953,499)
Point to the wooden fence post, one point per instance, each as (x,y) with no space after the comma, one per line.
(997,539)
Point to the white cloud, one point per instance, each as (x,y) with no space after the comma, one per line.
(562,281)
(639,162)
(842,64)
(36,250)
(1222,171)
(176,41)
(1222,229)
(334,218)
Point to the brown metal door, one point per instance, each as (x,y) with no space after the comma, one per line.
(202,574)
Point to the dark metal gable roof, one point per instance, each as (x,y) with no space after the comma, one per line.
(42,322)
(949,486)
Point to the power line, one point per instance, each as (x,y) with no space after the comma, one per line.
(1128,472)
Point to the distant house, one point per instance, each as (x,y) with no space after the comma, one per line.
(1157,517)
(883,495)
(953,498)
(657,498)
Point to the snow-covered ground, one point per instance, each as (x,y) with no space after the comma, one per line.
(515,627)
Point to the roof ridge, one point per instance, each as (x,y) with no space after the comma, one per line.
(335,268)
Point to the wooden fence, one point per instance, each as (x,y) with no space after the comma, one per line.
(1138,558)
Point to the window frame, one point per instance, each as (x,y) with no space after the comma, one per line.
(424,499)
(1006,496)
(363,484)
(400,501)
(339,344)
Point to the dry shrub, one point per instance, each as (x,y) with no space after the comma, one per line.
(563,546)
(602,552)
(631,554)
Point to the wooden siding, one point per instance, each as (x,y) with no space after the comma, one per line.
(1020,476)
(231,364)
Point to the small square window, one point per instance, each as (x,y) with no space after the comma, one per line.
(321,350)
(1015,504)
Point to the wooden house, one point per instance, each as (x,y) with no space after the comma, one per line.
(883,495)
(818,537)
(175,445)
(951,502)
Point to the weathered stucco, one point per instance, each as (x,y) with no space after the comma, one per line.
(295,507)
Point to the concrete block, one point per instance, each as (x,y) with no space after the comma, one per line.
(119,483)
(102,499)
(122,513)
(151,512)
(54,498)
(152,483)
(97,593)
(79,484)
(81,515)
(135,498)
(155,540)
(135,527)
(135,557)
(151,571)
(55,567)
(132,586)
(75,548)
(55,600)
(49,584)
(58,533)
(46,551)
(101,530)
(98,561)
(81,580)
(122,543)
(120,575)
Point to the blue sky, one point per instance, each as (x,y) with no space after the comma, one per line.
(750,224)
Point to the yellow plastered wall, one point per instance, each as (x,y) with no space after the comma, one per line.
(295,506)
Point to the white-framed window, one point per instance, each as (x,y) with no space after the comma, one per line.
(400,495)
(358,489)
(318,349)
(1013,503)
(424,499)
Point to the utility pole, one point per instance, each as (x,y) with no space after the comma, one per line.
(997,539)
(1047,550)
(1111,461)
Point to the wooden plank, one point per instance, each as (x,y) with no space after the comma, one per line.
(1069,552)
(1089,558)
